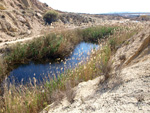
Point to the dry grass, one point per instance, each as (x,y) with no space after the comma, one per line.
(3,69)
(70,94)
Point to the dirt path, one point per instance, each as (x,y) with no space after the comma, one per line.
(5,44)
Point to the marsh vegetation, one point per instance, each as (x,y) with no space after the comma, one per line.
(32,98)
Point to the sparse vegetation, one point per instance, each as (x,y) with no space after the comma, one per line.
(33,98)
(50,16)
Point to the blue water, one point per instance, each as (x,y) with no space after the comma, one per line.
(26,72)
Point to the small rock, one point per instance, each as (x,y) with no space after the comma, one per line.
(39,15)
(21,19)
(28,32)
(23,12)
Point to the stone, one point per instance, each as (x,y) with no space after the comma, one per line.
(29,32)
(39,15)
(21,19)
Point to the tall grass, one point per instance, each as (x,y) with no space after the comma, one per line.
(33,98)
(42,47)
(95,33)
(54,45)
(3,69)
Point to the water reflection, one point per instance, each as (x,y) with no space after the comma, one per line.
(39,71)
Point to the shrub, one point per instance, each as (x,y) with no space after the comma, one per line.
(42,47)
(122,57)
(50,17)
(112,43)
(105,63)
(95,33)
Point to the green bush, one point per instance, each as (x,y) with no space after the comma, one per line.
(95,33)
(40,48)
(50,17)
(112,43)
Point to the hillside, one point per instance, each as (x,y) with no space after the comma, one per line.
(20,18)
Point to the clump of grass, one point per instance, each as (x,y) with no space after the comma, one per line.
(1,66)
(70,94)
(95,33)
(23,99)
(112,43)
(3,69)
(43,47)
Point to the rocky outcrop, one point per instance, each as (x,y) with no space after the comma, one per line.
(126,91)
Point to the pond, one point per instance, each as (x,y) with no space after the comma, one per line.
(26,72)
